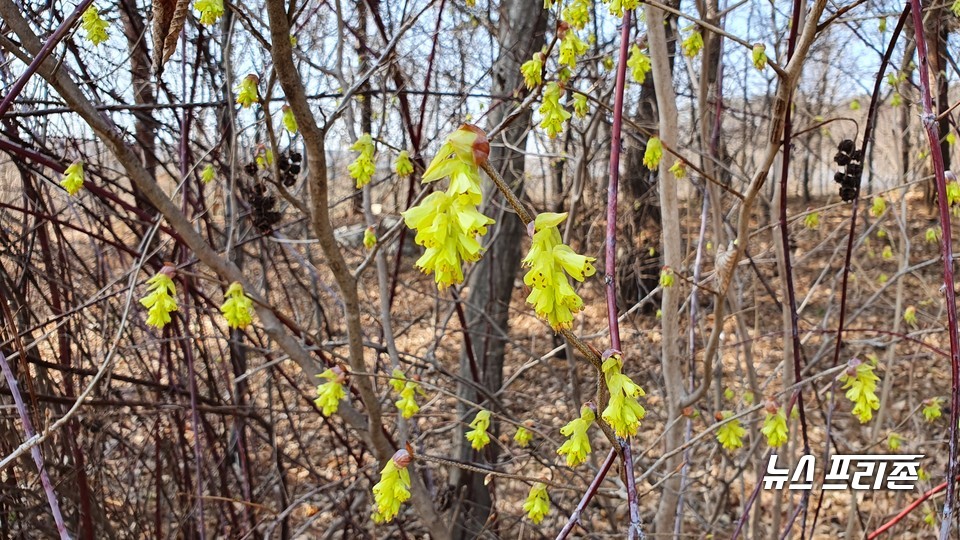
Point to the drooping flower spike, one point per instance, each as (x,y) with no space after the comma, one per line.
(162,297)
(210,11)
(94,25)
(289,120)
(208,173)
(363,166)
(331,392)
(623,412)
(393,489)
(449,227)
(775,424)
(552,113)
(860,382)
(408,390)
(577,446)
(537,505)
(402,165)
(73,178)
(448,223)
(523,436)
(238,307)
(478,436)
(639,64)
(550,260)
(730,434)
(532,71)
(248,92)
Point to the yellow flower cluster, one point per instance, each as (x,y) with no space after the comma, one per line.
(537,505)
(775,426)
(210,11)
(618,7)
(552,113)
(408,390)
(94,26)
(730,435)
(623,411)
(264,157)
(248,92)
(571,48)
(402,165)
(448,224)
(478,436)
(208,174)
(369,237)
(532,71)
(910,316)
(331,392)
(577,445)
(523,437)
(576,14)
(639,64)
(289,120)
(653,153)
(238,307)
(667,277)
(931,409)
(549,258)
(759,55)
(73,178)
(580,106)
(860,382)
(161,300)
(363,167)
(894,440)
(393,489)
(679,169)
(692,44)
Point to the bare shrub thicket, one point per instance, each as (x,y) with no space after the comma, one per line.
(732,278)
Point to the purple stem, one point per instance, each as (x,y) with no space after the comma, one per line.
(749,505)
(610,254)
(35,450)
(929,120)
(591,491)
(45,51)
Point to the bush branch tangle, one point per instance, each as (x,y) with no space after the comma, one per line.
(931,127)
(213,311)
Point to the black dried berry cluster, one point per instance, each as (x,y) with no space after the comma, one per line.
(851,159)
(289,165)
(262,206)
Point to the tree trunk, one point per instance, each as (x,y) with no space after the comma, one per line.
(670,360)
(522,26)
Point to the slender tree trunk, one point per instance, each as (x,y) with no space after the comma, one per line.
(670,360)
(522,27)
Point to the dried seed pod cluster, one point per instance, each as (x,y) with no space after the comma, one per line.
(262,206)
(289,165)
(851,159)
